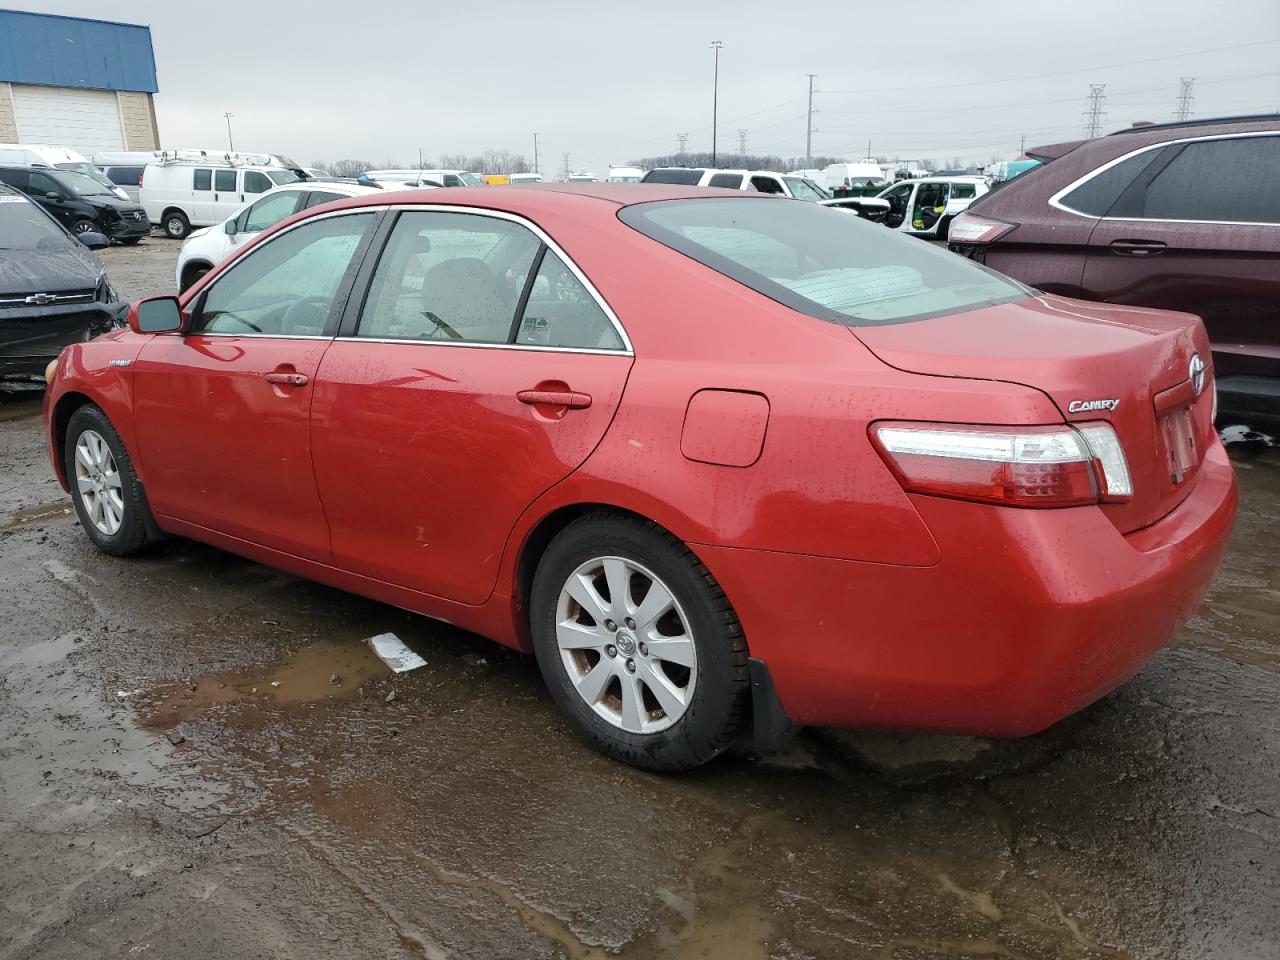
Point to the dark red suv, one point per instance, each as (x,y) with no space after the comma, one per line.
(1184,216)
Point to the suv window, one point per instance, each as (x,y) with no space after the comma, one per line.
(561,313)
(963,191)
(767,184)
(1098,194)
(449,276)
(201,179)
(269,211)
(42,183)
(14,177)
(255,182)
(803,189)
(689,178)
(124,176)
(323,196)
(1216,180)
(285,287)
(731,180)
(224,181)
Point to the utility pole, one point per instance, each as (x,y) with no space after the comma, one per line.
(230,143)
(1185,96)
(682,143)
(868,149)
(1095,114)
(742,141)
(715,98)
(808,127)
(535,154)
(421,165)
(1022,145)
(566,164)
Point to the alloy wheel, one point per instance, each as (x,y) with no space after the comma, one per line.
(625,644)
(98,482)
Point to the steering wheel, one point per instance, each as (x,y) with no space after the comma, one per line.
(309,312)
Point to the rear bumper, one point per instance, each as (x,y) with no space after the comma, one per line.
(1029,616)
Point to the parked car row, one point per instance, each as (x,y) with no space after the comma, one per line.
(79,202)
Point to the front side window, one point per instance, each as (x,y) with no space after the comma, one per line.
(201,179)
(803,189)
(766,184)
(42,183)
(256,182)
(1231,180)
(269,211)
(286,286)
(449,276)
(731,180)
(224,181)
(561,312)
(471,180)
(451,180)
(1099,193)
(821,262)
(281,177)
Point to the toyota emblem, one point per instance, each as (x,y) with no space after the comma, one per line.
(1196,373)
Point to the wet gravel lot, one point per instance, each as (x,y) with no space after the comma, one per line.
(200,757)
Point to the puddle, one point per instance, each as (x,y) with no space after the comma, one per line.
(305,677)
(38,515)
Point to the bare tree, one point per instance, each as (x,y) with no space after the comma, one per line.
(349,168)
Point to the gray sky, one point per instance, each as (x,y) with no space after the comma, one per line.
(609,82)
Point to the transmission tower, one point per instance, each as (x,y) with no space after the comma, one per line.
(682,143)
(1095,114)
(566,164)
(1185,96)
(742,141)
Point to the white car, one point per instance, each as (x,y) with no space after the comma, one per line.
(424,178)
(761,181)
(926,207)
(205,249)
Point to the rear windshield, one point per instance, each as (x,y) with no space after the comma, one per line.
(689,178)
(822,261)
(24,226)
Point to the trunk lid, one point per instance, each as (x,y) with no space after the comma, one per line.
(1083,356)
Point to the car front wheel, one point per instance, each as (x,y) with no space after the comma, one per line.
(108,498)
(638,644)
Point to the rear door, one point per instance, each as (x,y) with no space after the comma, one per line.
(201,212)
(222,413)
(227,197)
(1199,230)
(478,372)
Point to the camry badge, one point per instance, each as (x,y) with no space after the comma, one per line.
(1196,373)
(119,363)
(1083,406)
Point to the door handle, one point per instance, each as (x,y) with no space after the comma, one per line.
(287,379)
(1137,248)
(555,398)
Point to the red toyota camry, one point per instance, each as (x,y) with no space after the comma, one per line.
(716,459)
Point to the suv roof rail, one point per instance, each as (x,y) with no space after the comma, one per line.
(211,156)
(1199,122)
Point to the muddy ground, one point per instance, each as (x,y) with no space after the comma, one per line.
(200,758)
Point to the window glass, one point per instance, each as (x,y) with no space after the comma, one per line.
(803,189)
(675,175)
(731,180)
(1097,195)
(562,313)
(1229,180)
(255,182)
(86,186)
(766,184)
(449,276)
(964,191)
(323,196)
(125,176)
(42,183)
(14,177)
(24,226)
(471,180)
(830,266)
(201,179)
(286,286)
(224,181)
(281,177)
(271,210)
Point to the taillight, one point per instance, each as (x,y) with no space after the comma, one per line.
(1066,466)
(971,228)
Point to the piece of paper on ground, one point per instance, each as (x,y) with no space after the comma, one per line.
(392,651)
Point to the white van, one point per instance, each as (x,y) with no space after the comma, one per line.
(182,189)
(124,168)
(843,176)
(625,174)
(525,178)
(60,158)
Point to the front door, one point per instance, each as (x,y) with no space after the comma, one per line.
(53,197)
(222,413)
(1199,230)
(444,409)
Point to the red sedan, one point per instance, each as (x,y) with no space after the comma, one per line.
(714,458)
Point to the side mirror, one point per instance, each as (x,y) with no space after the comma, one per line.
(93,240)
(52,195)
(231,228)
(156,315)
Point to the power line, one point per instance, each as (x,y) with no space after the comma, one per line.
(1185,96)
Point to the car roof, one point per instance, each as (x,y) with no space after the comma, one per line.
(540,195)
(1226,122)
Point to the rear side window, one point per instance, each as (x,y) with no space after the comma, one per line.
(320,196)
(14,177)
(202,179)
(1099,193)
(689,178)
(963,191)
(1215,180)
(124,176)
(821,262)
(766,184)
(731,180)
(561,313)
(224,181)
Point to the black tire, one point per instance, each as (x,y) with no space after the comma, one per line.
(83,225)
(136,522)
(130,241)
(719,706)
(176,225)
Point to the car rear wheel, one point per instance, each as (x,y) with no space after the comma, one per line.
(638,644)
(176,225)
(108,498)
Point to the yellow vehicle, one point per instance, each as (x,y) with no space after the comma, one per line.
(496,179)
